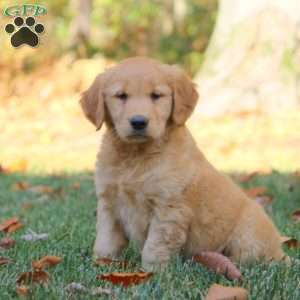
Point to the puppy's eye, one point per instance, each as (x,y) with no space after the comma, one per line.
(122,96)
(155,96)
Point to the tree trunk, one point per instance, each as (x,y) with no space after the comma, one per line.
(253,60)
(80,27)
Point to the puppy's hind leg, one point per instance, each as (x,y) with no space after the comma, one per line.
(255,237)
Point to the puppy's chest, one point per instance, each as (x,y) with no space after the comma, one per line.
(134,210)
(135,196)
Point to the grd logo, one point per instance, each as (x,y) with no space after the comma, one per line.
(24,30)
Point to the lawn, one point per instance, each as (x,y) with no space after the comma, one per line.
(68,216)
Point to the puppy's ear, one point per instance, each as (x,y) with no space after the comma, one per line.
(92,102)
(185,95)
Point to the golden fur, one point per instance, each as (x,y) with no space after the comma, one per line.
(158,189)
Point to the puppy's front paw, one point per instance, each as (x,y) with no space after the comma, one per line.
(101,254)
(154,260)
(106,250)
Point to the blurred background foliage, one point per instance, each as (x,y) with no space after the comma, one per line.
(172,31)
(40,119)
(40,87)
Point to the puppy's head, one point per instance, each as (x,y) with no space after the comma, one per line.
(140,98)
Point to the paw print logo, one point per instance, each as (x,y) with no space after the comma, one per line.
(24,33)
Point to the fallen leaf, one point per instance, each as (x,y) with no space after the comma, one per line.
(107,261)
(7,223)
(21,186)
(220,292)
(126,279)
(246,178)
(46,261)
(7,243)
(23,290)
(296,215)
(76,185)
(14,227)
(256,191)
(32,236)
(11,225)
(38,276)
(218,263)
(291,243)
(5,261)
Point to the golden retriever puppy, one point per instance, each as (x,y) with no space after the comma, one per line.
(153,184)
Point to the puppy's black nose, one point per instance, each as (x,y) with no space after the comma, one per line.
(139,122)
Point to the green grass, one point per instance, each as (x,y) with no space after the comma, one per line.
(70,221)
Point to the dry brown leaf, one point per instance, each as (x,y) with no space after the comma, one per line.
(38,276)
(296,215)
(5,261)
(248,177)
(126,279)
(291,243)
(107,261)
(11,225)
(23,290)
(14,227)
(256,191)
(76,185)
(220,292)
(7,243)
(46,261)
(218,263)
(21,186)
(5,225)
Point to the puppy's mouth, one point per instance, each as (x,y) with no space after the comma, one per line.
(138,137)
